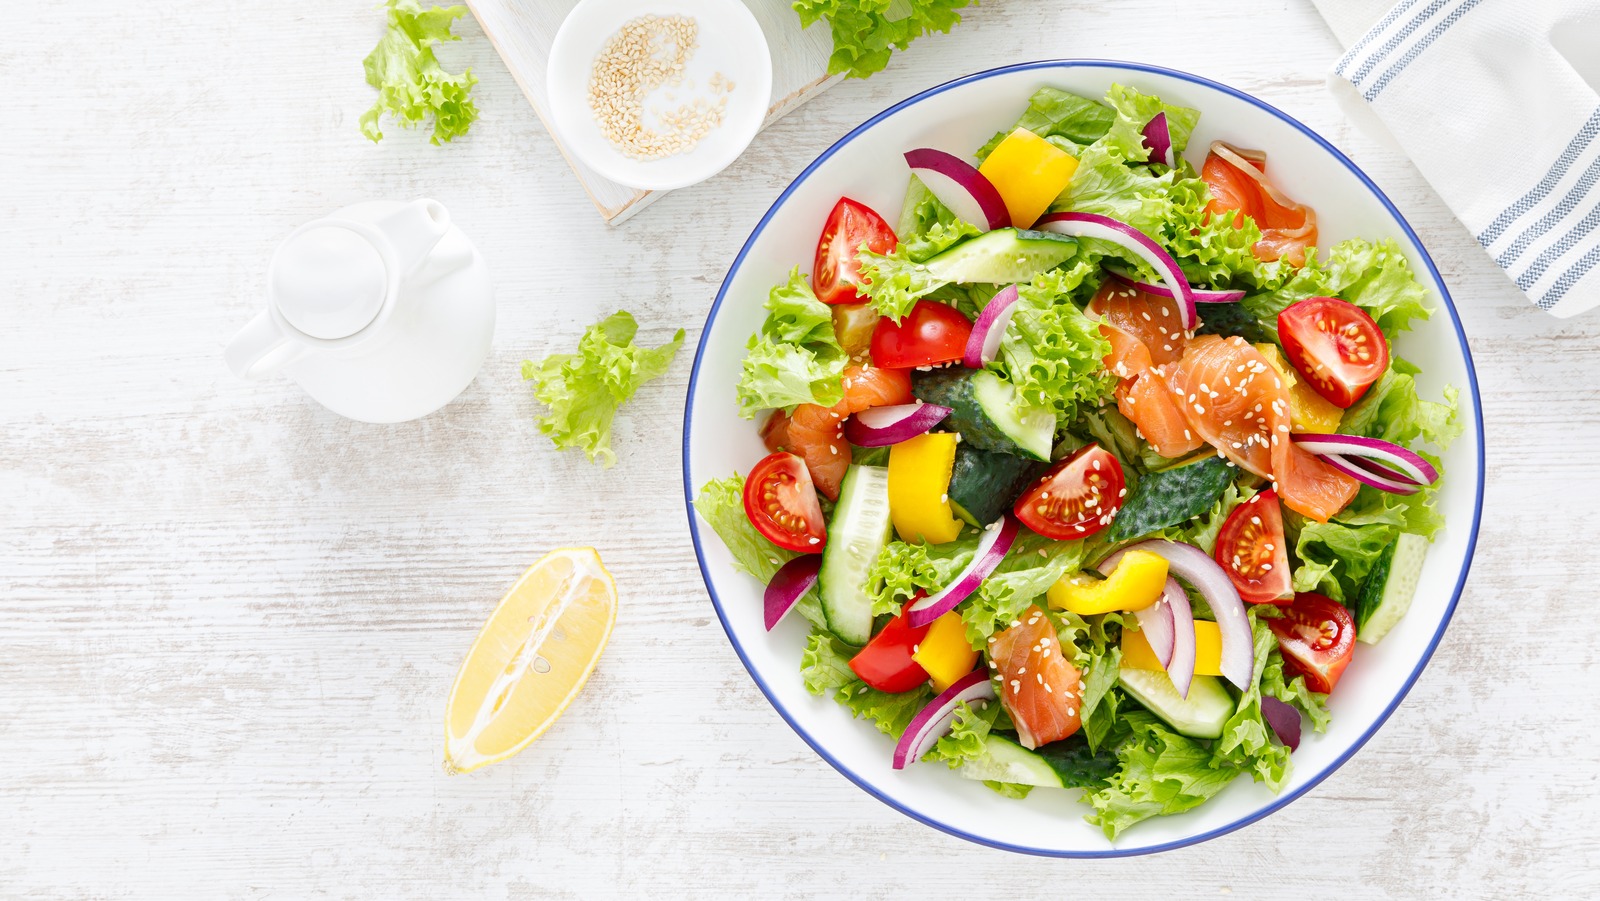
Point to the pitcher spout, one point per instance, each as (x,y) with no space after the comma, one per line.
(414,229)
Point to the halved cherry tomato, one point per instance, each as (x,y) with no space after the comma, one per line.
(1078,496)
(1251,550)
(931,333)
(853,324)
(782,504)
(1317,636)
(886,663)
(1335,345)
(835,272)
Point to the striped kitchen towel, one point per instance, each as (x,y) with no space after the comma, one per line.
(1496,102)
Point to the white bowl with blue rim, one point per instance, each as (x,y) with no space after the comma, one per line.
(866,165)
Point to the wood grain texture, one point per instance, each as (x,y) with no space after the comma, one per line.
(523,30)
(231,617)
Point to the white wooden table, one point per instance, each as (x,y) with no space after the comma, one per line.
(229,618)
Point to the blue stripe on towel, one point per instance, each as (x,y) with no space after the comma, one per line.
(1539,229)
(1554,251)
(1396,40)
(1569,278)
(1575,148)
(1416,49)
(1400,9)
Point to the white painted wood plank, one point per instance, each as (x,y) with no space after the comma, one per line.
(231,618)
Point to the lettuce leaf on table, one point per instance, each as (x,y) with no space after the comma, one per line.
(584,390)
(866,32)
(795,358)
(411,84)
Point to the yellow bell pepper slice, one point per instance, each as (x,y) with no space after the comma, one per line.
(919,485)
(1135,584)
(1030,173)
(944,652)
(1308,410)
(1137,653)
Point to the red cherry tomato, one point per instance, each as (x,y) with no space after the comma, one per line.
(835,272)
(1078,496)
(1317,636)
(886,664)
(1252,551)
(932,333)
(1335,345)
(782,504)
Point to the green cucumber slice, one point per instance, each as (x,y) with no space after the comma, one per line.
(1387,595)
(1172,496)
(1003,256)
(1004,760)
(1201,715)
(856,535)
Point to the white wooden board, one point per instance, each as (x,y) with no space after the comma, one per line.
(522,31)
(229,619)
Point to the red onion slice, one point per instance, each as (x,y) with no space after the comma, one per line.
(1284,720)
(1201,295)
(1198,569)
(996,542)
(883,426)
(1158,137)
(1373,466)
(933,721)
(1173,624)
(984,344)
(789,584)
(1155,621)
(960,186)
(1367,477)
(1413,467)
(1105,228)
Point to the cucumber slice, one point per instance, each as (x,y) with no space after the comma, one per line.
(856,535)
(1004,760)
(1172,496)
(984,483)
(1002,256)
(1201,715)
(985,410)
(1393,583)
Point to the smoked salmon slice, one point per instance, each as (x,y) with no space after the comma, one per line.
(815,432)
(1039,688)
(1145,334)
(1239,185)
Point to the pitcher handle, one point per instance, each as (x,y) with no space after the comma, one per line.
(261,348)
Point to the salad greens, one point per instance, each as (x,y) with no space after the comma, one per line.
(411,84)
(1132,755)
(584,390)
(865,34)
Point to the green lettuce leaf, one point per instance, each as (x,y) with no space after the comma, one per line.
(893,282)
(795,358)
(1134,110)
(891,713)
(584,390)
(866,32)
(825,663)
(927,227)
(902,569)
(1052,352)
(411,84)
(1033,565)
(1372,275)
(1054,113)
(967,732)
(1247,742)
(1159,772)
(1294,692)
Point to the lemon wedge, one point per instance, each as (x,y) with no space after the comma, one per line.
(530,660)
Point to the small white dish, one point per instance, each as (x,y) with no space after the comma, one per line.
(730,44)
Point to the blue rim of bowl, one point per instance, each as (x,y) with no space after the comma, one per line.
(1277,803)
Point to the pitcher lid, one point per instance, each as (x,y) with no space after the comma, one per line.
(329,281)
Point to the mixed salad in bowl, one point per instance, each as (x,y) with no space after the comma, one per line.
(1089,472)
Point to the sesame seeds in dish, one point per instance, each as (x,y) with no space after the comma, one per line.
(647,54)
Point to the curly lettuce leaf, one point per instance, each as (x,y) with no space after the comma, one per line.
(1159,772)
(927,227)
(720,503)
(825,663)
(902,569)
(1134,110)
(411,84)
(893,282)
(965,740)
(865,33)
(1056,114)
(795,358)
(1372,275)
(584,390)
(1247,742)
(1294,692)
(1051,352)
(891,713)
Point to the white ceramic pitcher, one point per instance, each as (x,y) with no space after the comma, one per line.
(382,312)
